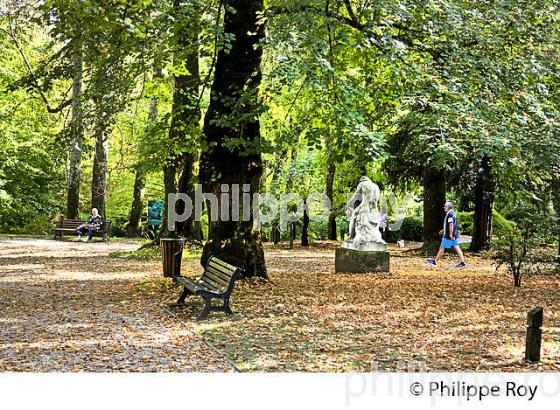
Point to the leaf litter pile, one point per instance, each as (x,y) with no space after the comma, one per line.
(68,306)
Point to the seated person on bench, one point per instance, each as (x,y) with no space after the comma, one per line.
(92,224)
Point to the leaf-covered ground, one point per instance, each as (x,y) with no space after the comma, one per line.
(311,319)
(67,306)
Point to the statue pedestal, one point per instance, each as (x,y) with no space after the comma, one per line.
(355,261)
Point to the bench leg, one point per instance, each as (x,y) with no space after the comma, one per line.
(207,309)
(181,300)
(226,307)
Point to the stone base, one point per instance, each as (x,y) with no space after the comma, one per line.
(350,260)
(368,246)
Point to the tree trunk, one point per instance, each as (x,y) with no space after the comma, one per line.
(77,132)
(483,204)
(169,187)
(133,229)
(190,229)
(434,199)
(233,115)
(185,114)
(305,226)
(99,177)
(331,170)
(556,202)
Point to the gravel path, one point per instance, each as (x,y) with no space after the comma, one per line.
(67,306)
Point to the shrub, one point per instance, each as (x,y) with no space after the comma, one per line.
(410,230)
(466,222)
(519,246)
(118,227)
(500,225)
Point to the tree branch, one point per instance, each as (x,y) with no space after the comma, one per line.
(33,77)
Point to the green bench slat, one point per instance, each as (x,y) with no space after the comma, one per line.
(220,262)
(222,275)
(219,280)
(228,272)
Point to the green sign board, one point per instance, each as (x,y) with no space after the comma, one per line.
(155,213)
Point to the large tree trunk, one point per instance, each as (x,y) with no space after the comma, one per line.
(434,199)
(77,131)
(483,204)
(233,116)
(99,177)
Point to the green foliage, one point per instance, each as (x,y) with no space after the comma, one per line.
(375,88)
(520,248)
(410,230)
(500,225)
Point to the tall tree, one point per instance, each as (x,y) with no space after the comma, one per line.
(186,108)
(99,173)
(76,134)
(139,190)
(232,150)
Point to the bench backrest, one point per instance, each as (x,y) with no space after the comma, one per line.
(74,223)
(219,274)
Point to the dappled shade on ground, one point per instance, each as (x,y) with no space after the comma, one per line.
(67,306)
(312,319)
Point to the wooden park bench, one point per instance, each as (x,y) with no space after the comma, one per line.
(217,282)
(68,227)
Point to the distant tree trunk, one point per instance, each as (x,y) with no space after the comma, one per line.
(169,187)
(555,188)
(483,204)
(305,226)
(133,229)
(331,169)
(77,133)
(233,115)
(190,229)
(185,114)
(434,199)
(99,177)
(329,188)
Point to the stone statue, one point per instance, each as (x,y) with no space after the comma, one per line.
(364,232)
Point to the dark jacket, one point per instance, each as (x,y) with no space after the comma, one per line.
(450,217)
(95,222)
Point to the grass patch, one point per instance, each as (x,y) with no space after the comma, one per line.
(153,253)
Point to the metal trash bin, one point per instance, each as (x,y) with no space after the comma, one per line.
(171,252)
